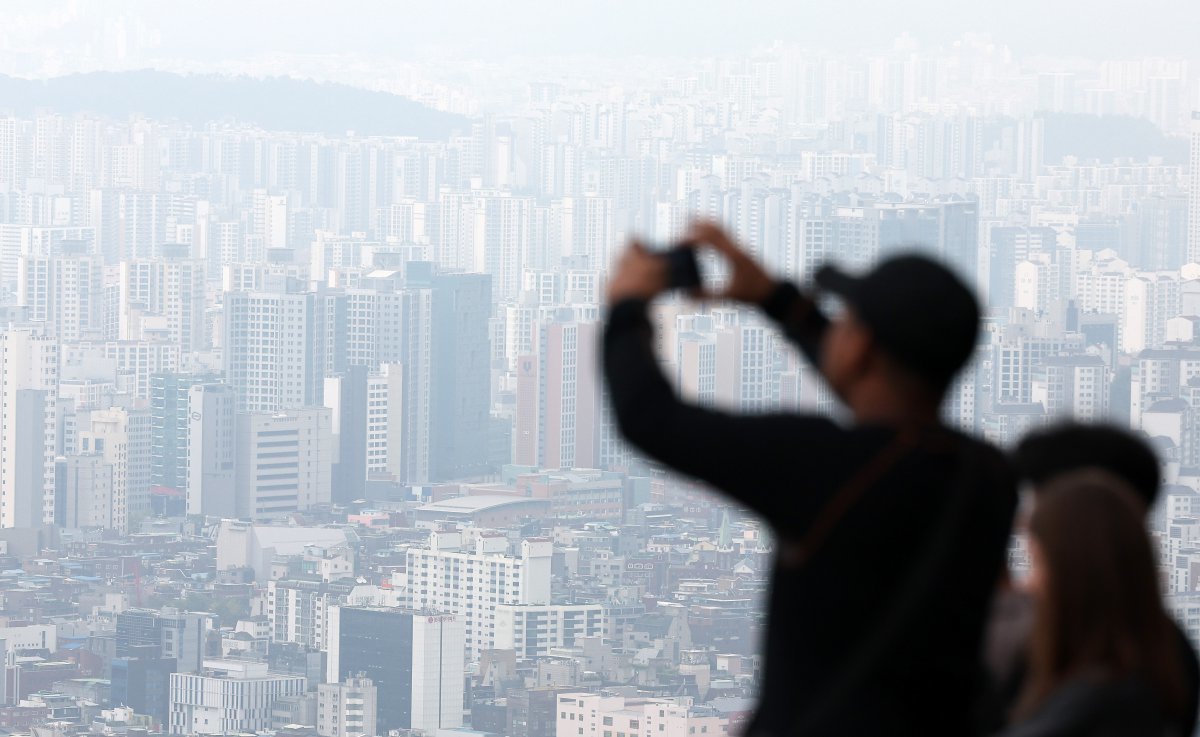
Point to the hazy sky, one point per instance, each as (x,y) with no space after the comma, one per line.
(223,29)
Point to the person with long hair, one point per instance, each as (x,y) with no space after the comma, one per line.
(1044,457)
(1103,655)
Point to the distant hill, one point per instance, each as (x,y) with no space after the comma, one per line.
(277,103)
(1109,137)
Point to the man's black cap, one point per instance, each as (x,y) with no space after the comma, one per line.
(919,312)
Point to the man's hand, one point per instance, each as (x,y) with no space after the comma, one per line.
(748,282)
(639,274)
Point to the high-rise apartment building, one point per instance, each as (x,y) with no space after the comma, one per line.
(1010,245)
(164,296)
(385,423)
(270,350)
(743,371)
(298,610)
(121,436)
(1149,301)
(28,427)
(65,291)
(1076,386)
(558,396)
(500,242)
(1019,349)
(38,241)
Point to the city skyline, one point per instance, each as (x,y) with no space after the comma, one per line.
(303,432)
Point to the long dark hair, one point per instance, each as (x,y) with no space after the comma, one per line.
(1100,610)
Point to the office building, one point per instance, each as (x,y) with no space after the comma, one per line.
(347,709)
(167,633)
(460,391)
(415,659)
(532,630)
(144,685)
(228,697)
(211,450)
(283,462)
(169,427)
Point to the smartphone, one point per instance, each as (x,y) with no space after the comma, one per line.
(683,269)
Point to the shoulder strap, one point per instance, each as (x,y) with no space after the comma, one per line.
(914,594)
(850,492)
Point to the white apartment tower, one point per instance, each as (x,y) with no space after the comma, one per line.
(1150,299)
(269,356)
(165,294)
(385,393)
(64,292)
(298,612)
(743,376)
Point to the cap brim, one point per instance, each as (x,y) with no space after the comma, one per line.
(834,280)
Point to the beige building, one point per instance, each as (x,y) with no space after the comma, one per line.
(347,709)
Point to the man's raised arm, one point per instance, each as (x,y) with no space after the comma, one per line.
(740,455)
(797,314)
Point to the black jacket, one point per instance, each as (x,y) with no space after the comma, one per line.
(785,467)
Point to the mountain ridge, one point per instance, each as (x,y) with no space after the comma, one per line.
(273,103)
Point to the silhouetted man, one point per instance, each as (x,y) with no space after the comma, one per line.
(890,532)
(1042,458)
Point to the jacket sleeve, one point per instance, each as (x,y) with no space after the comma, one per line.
(799,317)
(751,458)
